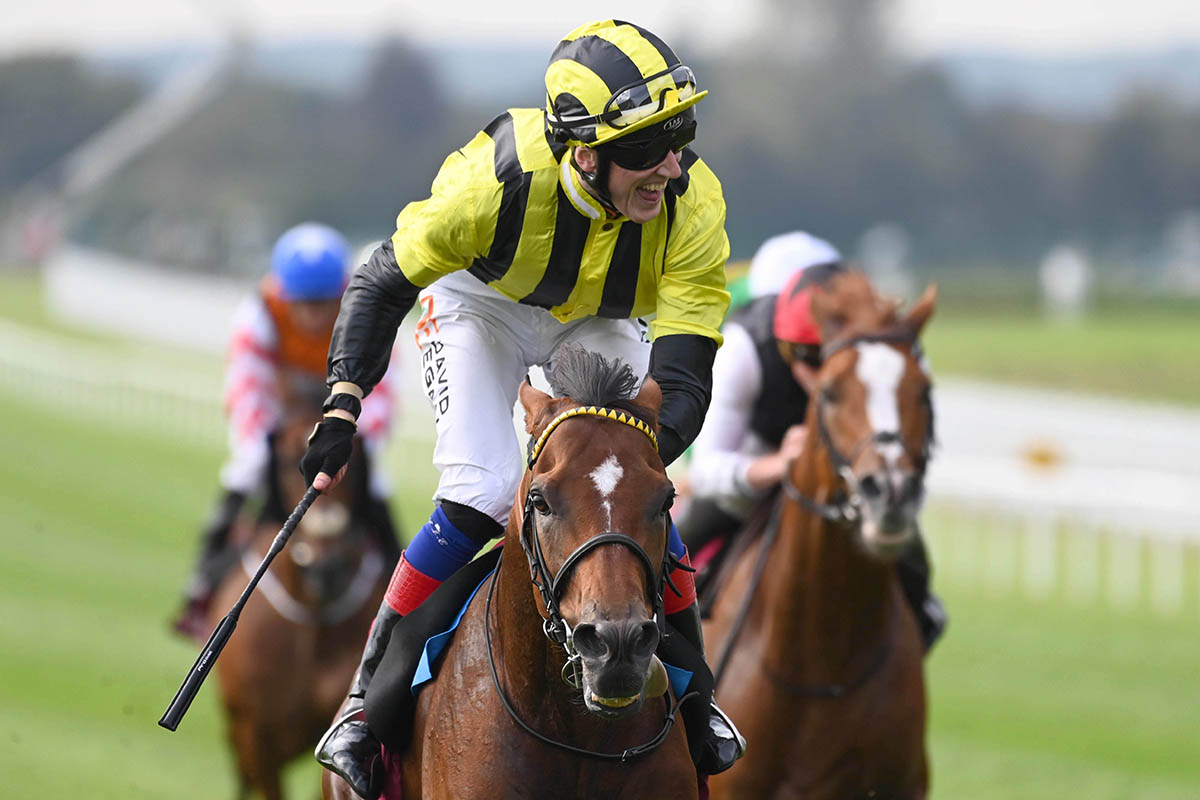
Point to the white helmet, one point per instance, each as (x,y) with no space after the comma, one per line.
(782,256)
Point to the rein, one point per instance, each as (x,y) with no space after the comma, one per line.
(345,606)
(550,587)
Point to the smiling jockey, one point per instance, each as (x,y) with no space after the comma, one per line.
(283,328)
(554,226)
(755,426)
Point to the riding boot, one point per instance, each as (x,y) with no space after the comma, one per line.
(213,561)
(913,570)
(348,749)
(439,549)
(724,744)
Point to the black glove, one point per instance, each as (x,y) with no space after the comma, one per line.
(329,448)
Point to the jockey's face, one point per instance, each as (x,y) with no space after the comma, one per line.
(637,194)
(314,316)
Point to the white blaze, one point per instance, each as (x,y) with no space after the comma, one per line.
(606,476)
(880,369)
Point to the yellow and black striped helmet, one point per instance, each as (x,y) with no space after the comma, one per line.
(610,78)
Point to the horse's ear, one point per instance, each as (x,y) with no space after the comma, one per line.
(534,401)
(922,310)
(650,395)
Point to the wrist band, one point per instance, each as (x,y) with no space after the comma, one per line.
(344,401)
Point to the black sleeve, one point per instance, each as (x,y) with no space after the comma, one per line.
(681,363)
(373,305)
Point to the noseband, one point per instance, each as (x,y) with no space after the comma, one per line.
(847,510)
(551,587)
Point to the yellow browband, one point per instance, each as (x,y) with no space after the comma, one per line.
(595,411)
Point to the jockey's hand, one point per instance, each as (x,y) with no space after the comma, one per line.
(768,470)
(793,443)
(329,448)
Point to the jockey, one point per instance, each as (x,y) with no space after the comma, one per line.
(567,224)
(755,425)
(284,327)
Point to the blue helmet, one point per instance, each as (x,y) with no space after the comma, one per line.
(309,261)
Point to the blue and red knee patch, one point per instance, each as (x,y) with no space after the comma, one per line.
(437,551)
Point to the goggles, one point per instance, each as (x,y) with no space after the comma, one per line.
(793,351)
(635,101)
(638,152)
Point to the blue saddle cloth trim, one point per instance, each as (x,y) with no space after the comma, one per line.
(436,645)
(678,678)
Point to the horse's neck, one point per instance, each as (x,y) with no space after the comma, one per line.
(831,603)
(517,626)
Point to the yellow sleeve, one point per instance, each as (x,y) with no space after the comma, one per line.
(691,291)
(450,229)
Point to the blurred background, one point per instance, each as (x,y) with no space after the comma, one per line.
(1040,161)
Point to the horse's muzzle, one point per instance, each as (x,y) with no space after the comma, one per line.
(890,502)
(616,658)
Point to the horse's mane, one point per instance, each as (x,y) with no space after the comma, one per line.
(590,379)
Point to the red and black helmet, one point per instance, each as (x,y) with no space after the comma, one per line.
(794,326)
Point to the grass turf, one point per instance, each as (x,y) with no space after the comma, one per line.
(1030,699)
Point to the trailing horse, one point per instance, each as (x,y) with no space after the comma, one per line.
(285,672)
(550,687)
(816,655)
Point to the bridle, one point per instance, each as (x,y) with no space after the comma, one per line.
(846,509)
(551,587)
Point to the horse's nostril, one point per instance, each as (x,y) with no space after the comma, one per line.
(589,642)
(911,489)
(643,638)
(870,487)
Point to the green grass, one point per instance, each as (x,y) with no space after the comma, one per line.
(1035,699)
(1048,698)
(1147,351)
(1029,699)
(99,532)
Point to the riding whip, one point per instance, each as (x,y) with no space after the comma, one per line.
(220,635)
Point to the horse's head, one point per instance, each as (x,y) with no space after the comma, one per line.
(326,543)
(594,527)
(871,411)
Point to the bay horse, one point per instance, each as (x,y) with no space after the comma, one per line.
(816,655)
(285,672)
(548,689)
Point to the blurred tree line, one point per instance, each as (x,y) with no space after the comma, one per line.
(828,131)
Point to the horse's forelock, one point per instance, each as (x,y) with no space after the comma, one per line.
(590,379)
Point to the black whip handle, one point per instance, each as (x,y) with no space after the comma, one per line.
(220,635)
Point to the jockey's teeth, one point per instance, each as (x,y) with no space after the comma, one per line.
(613,702)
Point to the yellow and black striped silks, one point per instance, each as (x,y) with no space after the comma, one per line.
(610,78)
(509,208)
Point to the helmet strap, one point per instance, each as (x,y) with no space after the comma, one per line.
(597,182)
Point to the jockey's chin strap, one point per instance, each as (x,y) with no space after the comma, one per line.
(847,510)
(551,587)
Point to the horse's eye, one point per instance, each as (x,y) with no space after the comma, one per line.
(829,394)
(539,504)
(666,506)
